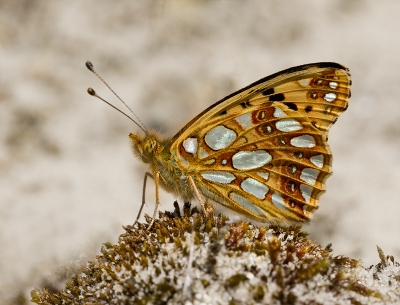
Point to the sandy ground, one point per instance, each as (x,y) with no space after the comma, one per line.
(68,180)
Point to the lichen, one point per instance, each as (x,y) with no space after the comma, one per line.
(203,259)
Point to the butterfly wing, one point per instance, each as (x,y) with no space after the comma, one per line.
(262,151)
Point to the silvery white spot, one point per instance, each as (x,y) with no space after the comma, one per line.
(278,201)
(246,204)
(254,187)
(250,159)
(317,160)
(244,120)
(304,82)
(306,191)
(294,168)
(330,97)
(224,162)
(269,129)
(190,145)
(288,125)
(328,109)
(202,153)
(333,85)
(264,175)
(217,176)
(183,161)
(220,137)
(306,141)
(292,204)
(293,187)
(309,175)
(278,113)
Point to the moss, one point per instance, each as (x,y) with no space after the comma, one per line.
(235,280)
(200,258)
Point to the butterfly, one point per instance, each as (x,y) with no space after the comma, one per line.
(261,151)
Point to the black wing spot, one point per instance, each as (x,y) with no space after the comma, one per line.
(223,112)
(349,93)
(269,91)
(279,97)
(245,104)
(308,108)
(334,121)
(350,82)
(292,106)
(314,124)
(345,108)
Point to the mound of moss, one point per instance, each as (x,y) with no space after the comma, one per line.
(203,259)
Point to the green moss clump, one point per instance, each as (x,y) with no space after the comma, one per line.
(203,259)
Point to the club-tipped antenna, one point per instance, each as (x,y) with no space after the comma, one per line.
(89,65)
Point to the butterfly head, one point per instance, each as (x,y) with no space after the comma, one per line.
(145,147)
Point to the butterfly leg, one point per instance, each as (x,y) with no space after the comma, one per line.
(143,196)
(156,181)
(208,209)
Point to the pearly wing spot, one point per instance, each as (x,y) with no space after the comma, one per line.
(306,191)
(244,120)
(278,113)
(305,141)
(190,145)
(246,160)
(278,201)
(263,175)
(220,137)
(333,85)
(218,176)
(330,97)
(309,175)
(318,160)
(202,153)
(255,188)
(288,125)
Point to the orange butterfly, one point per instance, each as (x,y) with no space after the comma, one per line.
(261,151)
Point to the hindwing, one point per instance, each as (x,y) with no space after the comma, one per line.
(262,151)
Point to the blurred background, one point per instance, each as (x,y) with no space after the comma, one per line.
(68,179)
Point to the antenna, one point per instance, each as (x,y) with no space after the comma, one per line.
(89,65)
(93,93)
